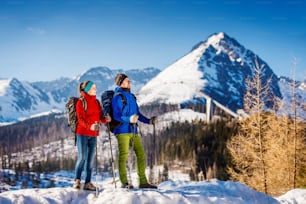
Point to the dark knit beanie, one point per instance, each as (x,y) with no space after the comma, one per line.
(119,78)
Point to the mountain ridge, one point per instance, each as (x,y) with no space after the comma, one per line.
(21,99)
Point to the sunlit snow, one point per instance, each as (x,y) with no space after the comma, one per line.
(175,191)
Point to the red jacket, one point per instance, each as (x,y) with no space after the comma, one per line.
(92,115)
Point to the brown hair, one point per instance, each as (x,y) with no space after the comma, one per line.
(82,86)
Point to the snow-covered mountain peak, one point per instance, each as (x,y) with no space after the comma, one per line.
(215,39)
(216,67)
(176,83)
(182,80)
(95,71)
(221,42)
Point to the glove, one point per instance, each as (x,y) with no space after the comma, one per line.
(153,120)
(134,118)
(108,118)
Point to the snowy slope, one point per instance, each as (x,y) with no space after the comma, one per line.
(172,191)
(177,83)
(20,99)
(217,67)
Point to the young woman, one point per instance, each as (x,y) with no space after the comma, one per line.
(89,120)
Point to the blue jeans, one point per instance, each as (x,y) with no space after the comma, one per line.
(86,150)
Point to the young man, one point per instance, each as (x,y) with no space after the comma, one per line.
(88,128)
(127,133)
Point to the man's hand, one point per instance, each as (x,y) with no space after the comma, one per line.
(134,118)
(153,120)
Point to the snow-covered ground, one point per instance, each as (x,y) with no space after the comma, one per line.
(178,190)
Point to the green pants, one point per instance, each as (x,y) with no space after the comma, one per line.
(124,142)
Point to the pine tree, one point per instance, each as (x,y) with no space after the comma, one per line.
(249,146)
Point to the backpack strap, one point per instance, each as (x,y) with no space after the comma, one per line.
(122,97)
(84,103)
(114,123)
(98,102)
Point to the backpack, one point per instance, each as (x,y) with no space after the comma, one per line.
(71,113)
(106,100)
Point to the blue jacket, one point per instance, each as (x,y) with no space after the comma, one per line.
(123,112)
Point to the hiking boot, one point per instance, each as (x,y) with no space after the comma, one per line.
(77,184)
(89,186)
(126,185)
(147,185)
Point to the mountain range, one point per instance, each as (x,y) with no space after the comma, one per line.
(20,100)
(217,67)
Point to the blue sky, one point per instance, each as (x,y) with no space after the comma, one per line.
(44,40)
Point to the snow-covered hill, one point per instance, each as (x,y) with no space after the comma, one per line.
(176,191)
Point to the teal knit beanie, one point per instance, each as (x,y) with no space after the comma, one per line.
(88,86)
